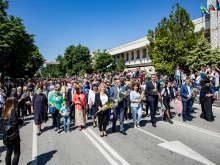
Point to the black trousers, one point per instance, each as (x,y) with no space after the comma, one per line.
(10,148)
(103,121)
(147,107)
(153,108)
(72,111)
(56,119)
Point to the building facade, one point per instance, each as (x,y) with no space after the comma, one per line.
(135,53)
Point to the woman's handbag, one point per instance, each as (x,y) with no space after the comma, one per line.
(51,110)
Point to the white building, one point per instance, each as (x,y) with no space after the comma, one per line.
(135,53)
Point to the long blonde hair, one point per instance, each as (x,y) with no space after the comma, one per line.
(10,104)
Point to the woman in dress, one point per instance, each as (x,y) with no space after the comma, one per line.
(56,101)
(166,96)
(206,101)
(101,98)
(91,102)
(39,108)
(79,99)
(64,89)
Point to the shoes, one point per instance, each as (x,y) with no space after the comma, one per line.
(123,132)
(154,125)
(113,131)
(38,134)
(94,126)
(184,120)
(59,131)
(157,113)
(138,126)
(170,121)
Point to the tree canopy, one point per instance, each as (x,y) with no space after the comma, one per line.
(172,40)
(101,61)
(19,55)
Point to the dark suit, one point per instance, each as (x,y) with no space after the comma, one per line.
(119,110)
(152,99)
(187,102)
(71,104)
(103,116)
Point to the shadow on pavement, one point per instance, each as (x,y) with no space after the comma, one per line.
(43,158)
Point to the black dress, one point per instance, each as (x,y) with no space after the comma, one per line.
(39,103)
(206,104)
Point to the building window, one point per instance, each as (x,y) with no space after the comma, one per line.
(127,57)
(144,53)
(122,56)
(118,56)
(132,55)
(138,54)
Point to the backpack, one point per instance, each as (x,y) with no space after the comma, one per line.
(11,131)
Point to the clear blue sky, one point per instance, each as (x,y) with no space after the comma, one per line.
(97,24)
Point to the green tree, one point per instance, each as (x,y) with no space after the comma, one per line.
(101,60)
(172,40)
(201,54)
(75,59)
(120,65)
(215,56)
(19,55)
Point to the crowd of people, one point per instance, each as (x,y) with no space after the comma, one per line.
(127,95)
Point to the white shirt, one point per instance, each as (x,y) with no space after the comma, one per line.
(91,97)
(198,79)
(189,90)
(104,99)
(163,93)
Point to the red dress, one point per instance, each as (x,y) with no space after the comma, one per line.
(80,109)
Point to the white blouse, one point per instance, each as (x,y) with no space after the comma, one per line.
(91,97)
(104,99)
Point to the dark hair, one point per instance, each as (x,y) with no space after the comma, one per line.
(136,84)
(94,85)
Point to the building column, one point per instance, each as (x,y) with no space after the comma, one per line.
(135,55)
(129,56)
(141,53)
(214,26)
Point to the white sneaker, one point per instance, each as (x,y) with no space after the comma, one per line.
(138,126)
(135,127)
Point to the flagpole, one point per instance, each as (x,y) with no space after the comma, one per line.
(217,26)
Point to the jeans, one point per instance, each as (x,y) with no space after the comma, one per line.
(187,109)
(66,119)
(119,110)
(136,114)
(178,79)
(17,151)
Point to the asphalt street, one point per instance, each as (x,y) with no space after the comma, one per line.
(191,143)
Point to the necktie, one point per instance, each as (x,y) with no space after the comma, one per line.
(155,85)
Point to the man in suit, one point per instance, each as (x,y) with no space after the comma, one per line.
(152,97)
(186,93)
(70,93)
(119,110)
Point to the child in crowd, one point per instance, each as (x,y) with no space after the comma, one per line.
(179,105)
(65,111)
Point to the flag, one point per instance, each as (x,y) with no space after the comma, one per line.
(203,9)
(212,7)
(217,5)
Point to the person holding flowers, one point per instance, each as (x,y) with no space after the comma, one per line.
(136,99)
(103,104)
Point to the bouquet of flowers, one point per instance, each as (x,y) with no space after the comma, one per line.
(155,92)
(105,107)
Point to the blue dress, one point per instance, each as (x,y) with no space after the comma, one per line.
(39,103)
